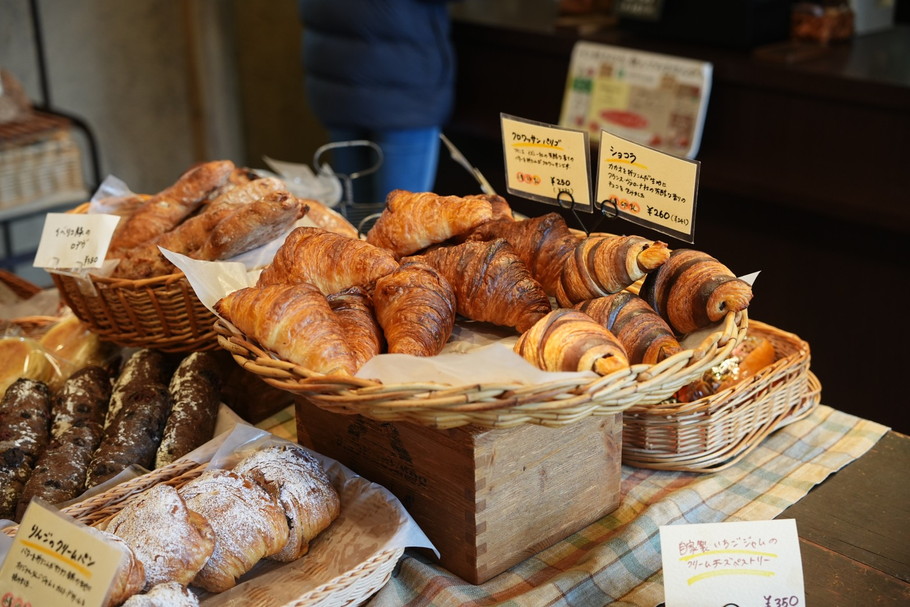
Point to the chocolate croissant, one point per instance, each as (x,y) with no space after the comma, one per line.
(643,333)
(491,283)
(412,221)
(692,290)
(354,309)
(415,306)
(543,243)
(604,264)
(293,320)
(570,340)
(330,261)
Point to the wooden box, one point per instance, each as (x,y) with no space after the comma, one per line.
(487,499)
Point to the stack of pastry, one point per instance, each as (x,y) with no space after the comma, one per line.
(212,530)
(431,259)
(214,211)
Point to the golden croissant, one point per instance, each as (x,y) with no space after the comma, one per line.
(412,221)
(491,283)
(692,290)
(645,336)
(330,261)
(570,340)
(415,306)
(294,321)
(354,310)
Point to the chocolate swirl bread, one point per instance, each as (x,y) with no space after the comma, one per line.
(195,390)
(24,434)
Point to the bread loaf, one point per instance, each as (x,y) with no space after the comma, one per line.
(24,434)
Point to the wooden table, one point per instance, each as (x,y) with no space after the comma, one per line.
(854,530)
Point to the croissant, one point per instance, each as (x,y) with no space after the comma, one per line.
(645,336)
(604,264)
(248,525)
(252,225)
(354,310)
(165,210)
(570,340)
(413,221)
(692,290)
(415,306)
(491,283)
(330,261)
(543,243)
(294,321)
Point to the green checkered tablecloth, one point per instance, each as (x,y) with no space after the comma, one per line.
(616,560)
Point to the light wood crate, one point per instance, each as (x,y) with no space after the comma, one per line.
(487,498)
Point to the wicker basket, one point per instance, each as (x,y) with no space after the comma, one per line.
(489,405)
(351,588)
(715,432)
(162,312)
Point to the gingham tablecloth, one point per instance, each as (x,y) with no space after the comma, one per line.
(616,560)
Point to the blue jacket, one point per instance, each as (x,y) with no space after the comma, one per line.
(378,64)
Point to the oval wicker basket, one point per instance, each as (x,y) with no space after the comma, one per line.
(717,431)
(350,588)
(489,405)
(162,312)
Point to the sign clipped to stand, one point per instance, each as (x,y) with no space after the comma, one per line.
(547,163)
(647,187)
(54,560)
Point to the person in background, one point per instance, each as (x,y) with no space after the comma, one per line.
(384,71)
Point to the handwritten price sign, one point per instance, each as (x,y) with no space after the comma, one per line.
(74,241)
(741,564)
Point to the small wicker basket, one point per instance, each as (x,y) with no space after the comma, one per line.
(715,432)
(504,405)
(162,312)
(351,588)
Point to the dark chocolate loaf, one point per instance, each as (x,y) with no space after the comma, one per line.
(24,434)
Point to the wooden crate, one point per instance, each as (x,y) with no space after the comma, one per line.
(487,499)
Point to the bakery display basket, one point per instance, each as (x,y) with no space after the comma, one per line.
(351,588)
(161,312)
(489,405)
(717,431)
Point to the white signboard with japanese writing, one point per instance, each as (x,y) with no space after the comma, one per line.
(75,240)
(753,563)
(650,98)
(647,187)
(547,163)
(55,560)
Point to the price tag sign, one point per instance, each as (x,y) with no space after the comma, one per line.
(547,163)
(54,560)
(74,241)
(755,564)
(647,187)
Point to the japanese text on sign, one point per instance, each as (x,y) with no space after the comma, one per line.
(54,561)
(74,241)
(546,163)
(733,564)
(648,187)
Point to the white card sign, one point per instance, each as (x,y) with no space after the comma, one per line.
(647,187)
(56,561)
(75,240)
(547,163)
(737,564)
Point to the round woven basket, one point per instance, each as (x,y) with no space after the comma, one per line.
(489,405)
(161,312)
(717,431)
